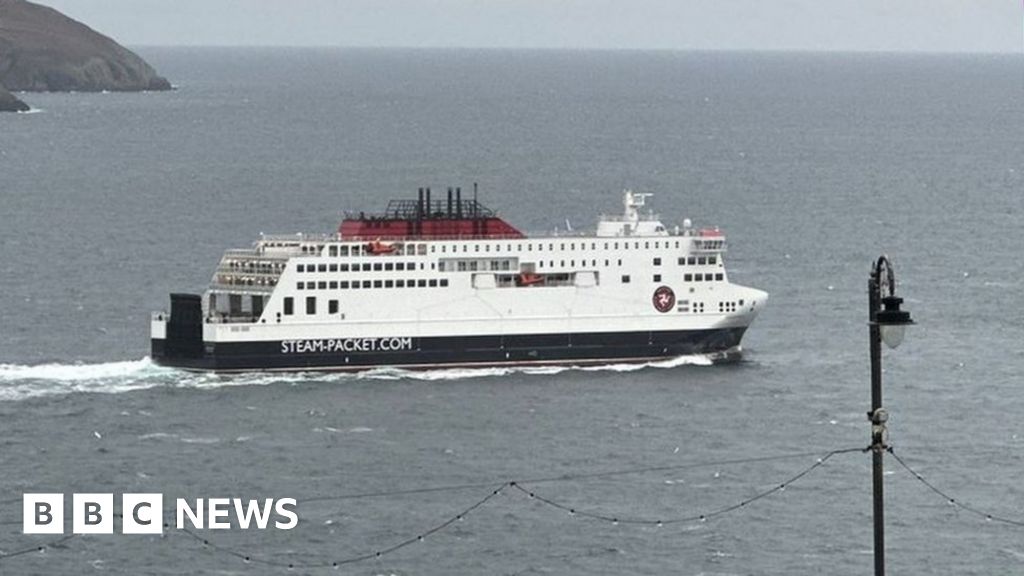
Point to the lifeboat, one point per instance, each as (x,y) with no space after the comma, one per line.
(378,247)
(529,279)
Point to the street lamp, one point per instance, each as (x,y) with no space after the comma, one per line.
(885,325)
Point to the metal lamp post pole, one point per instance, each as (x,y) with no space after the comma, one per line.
(877,414)
(886,323)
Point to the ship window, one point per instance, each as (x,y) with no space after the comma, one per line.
(410,265)
(682,261)
(421,249)
(487,247)
(421,283)
(310,304)
(616,245)
(529,247)
(322,267)
(433,249)
(377,266)
(389,266)
(636,245)
(366,266)
(657,277)
(333,250)
(389,283)
(647,245)
(476,247)
(572,263)
(323,285)
(343,250)
(620,261)
(593,245)
(444,282)
(541,264)
(332,306)
(344,284)
(719,276)
(691,260)
(355,284)
(300,268)
(334,285)
(551,246)
(333,268)
(289,306)
(399,266)
(698,277)
(711,260)
(605,262)
(300,285)
(433,283)
(410,283)
(657,244)
(702,260)
(378,284)
(625,278)
(400,283)
(688,277)
(657,261)
(561,246)
(343,267)
(366,283)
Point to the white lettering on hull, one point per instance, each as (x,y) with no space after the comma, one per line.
(346,345)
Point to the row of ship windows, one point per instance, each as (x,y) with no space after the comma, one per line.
(365,267)
(357,284)
(443,282)
(399,249)
(686,277)
(473,265)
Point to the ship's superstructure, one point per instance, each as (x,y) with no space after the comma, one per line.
(449,283)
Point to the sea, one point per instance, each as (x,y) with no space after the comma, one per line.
(813,164)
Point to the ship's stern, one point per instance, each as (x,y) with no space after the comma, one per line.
(177,338)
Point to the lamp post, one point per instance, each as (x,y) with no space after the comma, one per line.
(885,325)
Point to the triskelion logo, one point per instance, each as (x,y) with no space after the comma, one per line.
(144,513)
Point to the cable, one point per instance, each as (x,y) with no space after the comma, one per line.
(353,559)
(495,491)
(952,500)
(701,517)
(36,548)
(563,477)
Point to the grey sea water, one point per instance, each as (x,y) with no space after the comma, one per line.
(813,164)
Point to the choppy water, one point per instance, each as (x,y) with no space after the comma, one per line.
(812,164)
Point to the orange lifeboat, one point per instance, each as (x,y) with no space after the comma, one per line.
(529,279)
(378,247)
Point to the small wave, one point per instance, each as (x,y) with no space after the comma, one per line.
(20,382)
(31,111)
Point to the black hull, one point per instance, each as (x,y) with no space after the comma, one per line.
(446,352)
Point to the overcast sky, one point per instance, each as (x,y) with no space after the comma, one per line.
(874,25)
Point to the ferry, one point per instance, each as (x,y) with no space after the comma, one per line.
(449,283)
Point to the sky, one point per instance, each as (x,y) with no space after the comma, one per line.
(821,25)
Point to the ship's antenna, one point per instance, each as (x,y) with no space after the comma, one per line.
(475,210)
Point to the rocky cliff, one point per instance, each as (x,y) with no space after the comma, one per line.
(10,103)
(43,50)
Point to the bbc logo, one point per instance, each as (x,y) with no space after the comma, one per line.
(93,513)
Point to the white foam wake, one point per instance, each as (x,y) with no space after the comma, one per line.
(19,382)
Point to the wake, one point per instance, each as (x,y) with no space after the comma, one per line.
(21,382)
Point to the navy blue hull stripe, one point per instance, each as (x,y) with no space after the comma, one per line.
(449,351)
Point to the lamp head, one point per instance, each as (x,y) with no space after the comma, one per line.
(892,321)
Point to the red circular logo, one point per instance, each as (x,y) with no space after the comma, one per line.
(664,299)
